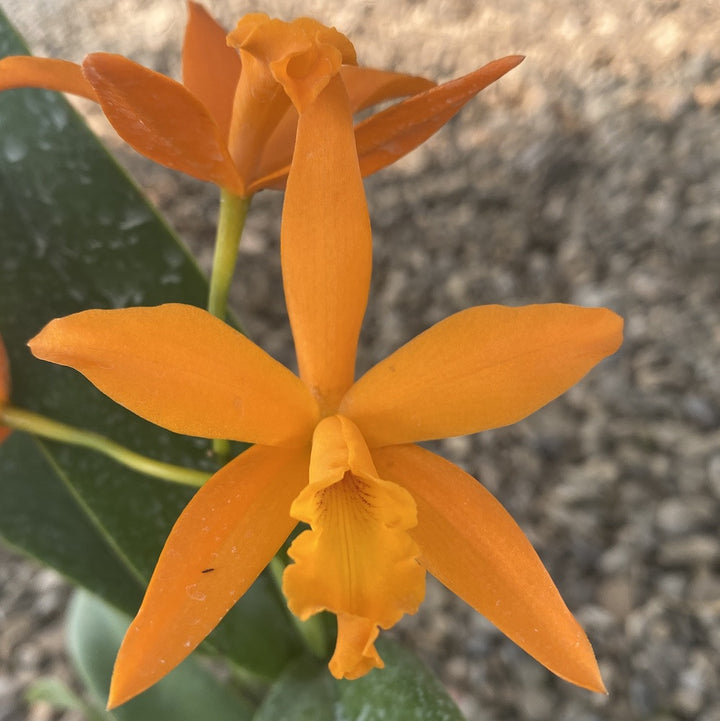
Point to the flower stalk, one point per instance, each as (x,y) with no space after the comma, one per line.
(38,425)
(231,221)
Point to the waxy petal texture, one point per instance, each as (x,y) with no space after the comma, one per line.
(210,68)
(369,86)
(387,136)
(161,119)
(227,534)
(326,246)
(182,368)
(302,55)
(358,560)
(482,368)
(23,71)
(473,546)
(391,134)
(365,87)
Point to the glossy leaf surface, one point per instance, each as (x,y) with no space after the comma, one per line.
(188,693)
(403,691)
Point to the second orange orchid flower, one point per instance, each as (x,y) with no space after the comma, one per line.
(229,122)
(337,453)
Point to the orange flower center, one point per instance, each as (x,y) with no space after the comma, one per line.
(358,560)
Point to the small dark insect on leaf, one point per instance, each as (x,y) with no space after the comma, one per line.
(207,570)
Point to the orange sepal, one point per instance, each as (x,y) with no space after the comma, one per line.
(182,368)
(227,534)
(482,368)
(472,545)
(25,71)
(387,136)
(369,86)
(161,119)
(365,87)
(4,386)
(210,68)
(326,246)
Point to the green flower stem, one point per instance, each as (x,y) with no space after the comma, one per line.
(231,221)
(313,630)
(38,425)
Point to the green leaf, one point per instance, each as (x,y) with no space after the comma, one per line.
(39,515)
(77,234)
(188,693)
(56,694)
(403,691)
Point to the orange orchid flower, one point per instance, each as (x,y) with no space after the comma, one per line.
(229,122)
(336,453)
(4,386)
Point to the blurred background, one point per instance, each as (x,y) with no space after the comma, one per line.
(591,175)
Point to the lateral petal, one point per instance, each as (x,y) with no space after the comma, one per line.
(482,368)
(182,368)
(25,71)
(326,246)
(473,546)
(365,87)
(223,539)
(390,134)
(369,86)
(387,136)
(210,68)
(161,119)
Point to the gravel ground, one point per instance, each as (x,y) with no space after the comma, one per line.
(591,174)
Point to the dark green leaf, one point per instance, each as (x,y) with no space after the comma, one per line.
(39,515)
(305,692)
(403,691)
(77,234)
(56,694)
(188,693)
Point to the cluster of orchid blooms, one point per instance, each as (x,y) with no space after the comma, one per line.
(271,106)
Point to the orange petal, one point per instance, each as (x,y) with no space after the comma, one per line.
(210,68)
(358,560)
(365,87)
(258,106)
(161,119)
(326,246)
(274,162)
(392,133)
(281,62)
(369,86)
(222,541)
(482,368)
(386,136)
(24,71)
(472,545)
(355,653)
(4,386)
(302,55)
(182,368)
